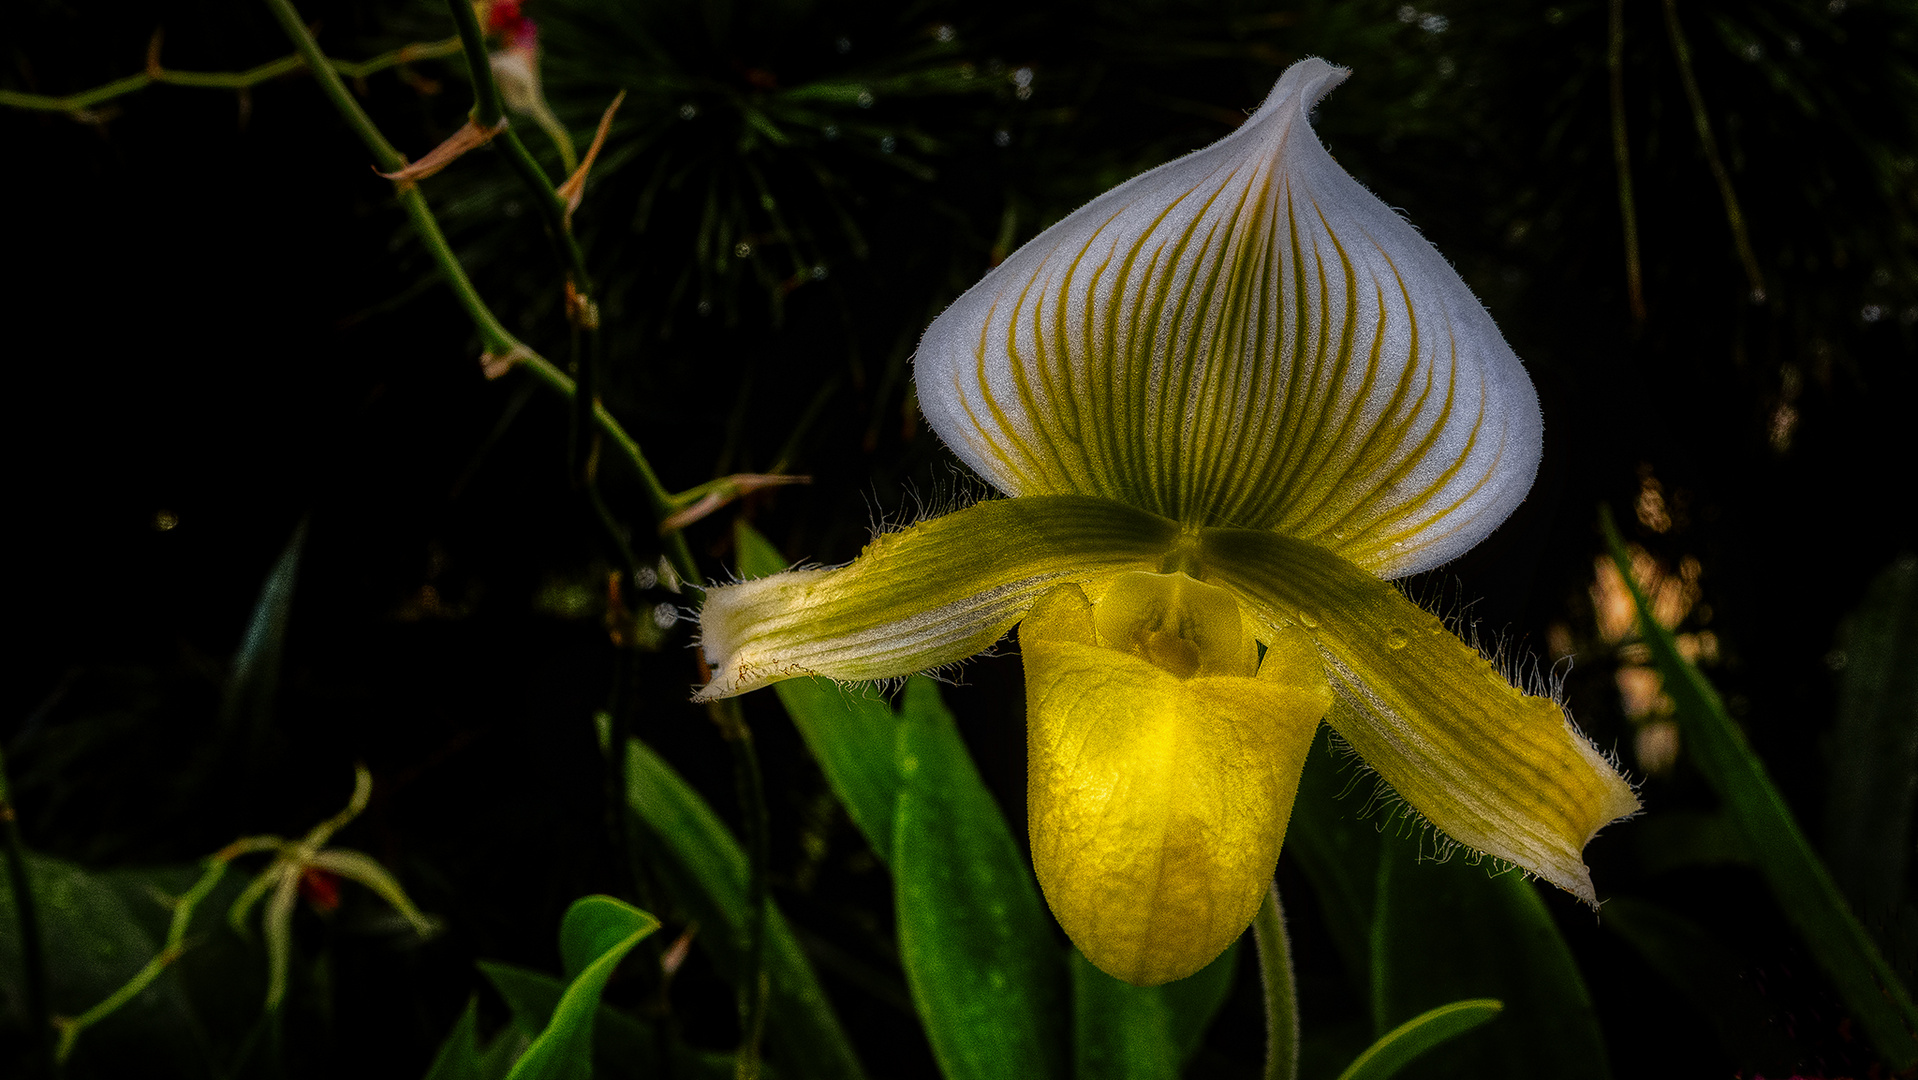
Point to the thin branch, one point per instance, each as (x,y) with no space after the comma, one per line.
(495,339)
(1622,158)
(1683,51)
(224,80)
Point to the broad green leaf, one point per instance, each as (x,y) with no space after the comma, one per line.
(1713,978)
(98,931)
(459,1055)
(1444,932)
(1804,889)
(974,938)
(1120,1031)
(1399,1046)
(1874,761)
(255,680)
(595,935)
(706,869)
(849,729)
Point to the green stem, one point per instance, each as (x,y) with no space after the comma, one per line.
(1622,160)
(1281,990)
(493,335)
(1683,51)
(498,341)
(487,108)
(225,80)
(388,159)
(752,800)
(33,956)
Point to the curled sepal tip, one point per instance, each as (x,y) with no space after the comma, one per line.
(1496,769)
(1244,337)
(934,593)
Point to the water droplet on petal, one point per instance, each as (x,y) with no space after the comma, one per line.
(1396,638)
(1308,618)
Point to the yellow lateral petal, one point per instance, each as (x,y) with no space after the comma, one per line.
(1498,770)
(1157,804)
(931,594)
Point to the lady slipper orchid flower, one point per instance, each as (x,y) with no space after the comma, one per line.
(1229,399)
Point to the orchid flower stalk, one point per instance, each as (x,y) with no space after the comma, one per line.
(1229,399)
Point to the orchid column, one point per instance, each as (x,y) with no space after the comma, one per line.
(1228,398)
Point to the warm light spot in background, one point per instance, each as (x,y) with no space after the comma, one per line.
(1675,596)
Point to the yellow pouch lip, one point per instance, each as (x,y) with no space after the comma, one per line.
(1157,803)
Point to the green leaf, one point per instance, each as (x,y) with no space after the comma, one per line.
(1192,1003)
(459,1056)
(1671,839)
(1874,761)
(622,1045)
(1419,1034)
(1806,892)
(703,864)
(255,680)
(595,935)
(974,937)
(596,926)
(1443,932)
(100,930)
(1338,850)
(1120,1031)
(850,730)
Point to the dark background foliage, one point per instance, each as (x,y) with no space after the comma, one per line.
(220,329)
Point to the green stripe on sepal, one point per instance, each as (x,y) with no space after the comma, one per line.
(1494,768)
(934,593)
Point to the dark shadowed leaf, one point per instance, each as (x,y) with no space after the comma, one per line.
(705,867)
(1120,1031)
(1714,979)
(1444,932)
(1874,760)
(1798,879)
(255,680)
(849,729)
